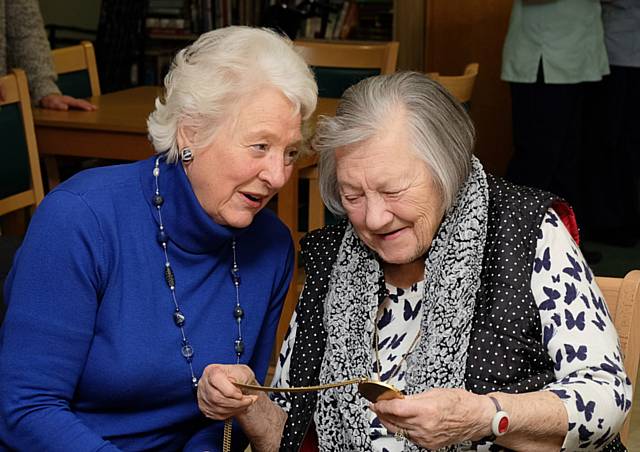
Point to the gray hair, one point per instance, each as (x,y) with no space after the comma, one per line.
(439,127)
(207,78)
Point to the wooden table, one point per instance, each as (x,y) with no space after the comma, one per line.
(116,131)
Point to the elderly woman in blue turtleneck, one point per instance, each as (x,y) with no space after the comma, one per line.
(133,278)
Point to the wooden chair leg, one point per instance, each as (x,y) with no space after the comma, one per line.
(53,175)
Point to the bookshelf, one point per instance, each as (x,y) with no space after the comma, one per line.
(365,20)
(169,25)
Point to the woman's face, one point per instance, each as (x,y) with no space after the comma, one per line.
(249,160)
(389,195)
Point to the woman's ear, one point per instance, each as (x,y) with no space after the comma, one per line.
(185,136)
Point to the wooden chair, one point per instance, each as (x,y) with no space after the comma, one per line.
(623,300)
(338,65)
(461,86)
(77,70)
(20,178)
(77,77)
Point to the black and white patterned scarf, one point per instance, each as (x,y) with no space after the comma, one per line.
(452,278)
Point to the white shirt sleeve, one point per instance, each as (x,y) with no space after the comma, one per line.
(580,338)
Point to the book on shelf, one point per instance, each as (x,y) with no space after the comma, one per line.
(167,26)
(312,27)
(166,8)
(342,14)
(350,20)
(332,19)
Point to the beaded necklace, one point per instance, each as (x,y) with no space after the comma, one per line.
(178,316)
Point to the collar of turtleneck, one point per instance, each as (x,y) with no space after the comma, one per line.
(185,221)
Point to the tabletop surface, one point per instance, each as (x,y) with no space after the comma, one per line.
(120,111)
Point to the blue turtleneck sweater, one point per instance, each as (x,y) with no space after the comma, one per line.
(89,353)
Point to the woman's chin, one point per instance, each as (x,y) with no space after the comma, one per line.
(400,255)
(395,259)
(237,220)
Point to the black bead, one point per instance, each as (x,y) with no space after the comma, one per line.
(238,312)
(178,318)
(168,276)
(239,347)
(162,237)
(157,200)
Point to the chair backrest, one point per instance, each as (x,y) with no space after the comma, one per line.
(338,65)
(20,179)
(461,86)
(77,70)
(623,300)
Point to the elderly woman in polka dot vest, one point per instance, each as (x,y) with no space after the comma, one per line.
(466,293)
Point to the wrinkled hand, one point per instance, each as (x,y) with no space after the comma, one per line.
(218,397)
(61,102)
(439,417)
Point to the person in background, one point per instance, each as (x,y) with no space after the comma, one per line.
(465,291)
(132,278)
(612,165)
(553,49)
(23,44)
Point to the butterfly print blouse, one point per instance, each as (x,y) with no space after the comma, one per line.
(577,332)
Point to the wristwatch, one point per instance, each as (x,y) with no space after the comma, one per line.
(499,422)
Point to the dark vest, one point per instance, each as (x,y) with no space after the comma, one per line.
(505,349)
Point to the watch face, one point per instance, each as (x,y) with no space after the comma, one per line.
(500,423)
(503,425)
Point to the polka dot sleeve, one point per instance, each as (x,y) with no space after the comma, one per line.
(581,339)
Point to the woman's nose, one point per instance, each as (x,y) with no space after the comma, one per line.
(275,173)
(377,215)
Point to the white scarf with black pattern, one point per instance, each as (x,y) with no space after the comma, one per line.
(452,278)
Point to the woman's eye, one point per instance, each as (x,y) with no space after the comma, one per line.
(290,156)
(392,194)
(351,198)
(260,147)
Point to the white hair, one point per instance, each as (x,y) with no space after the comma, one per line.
(207,78)
(440,130)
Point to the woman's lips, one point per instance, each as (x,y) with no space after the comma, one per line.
(392,235)
(253,200)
